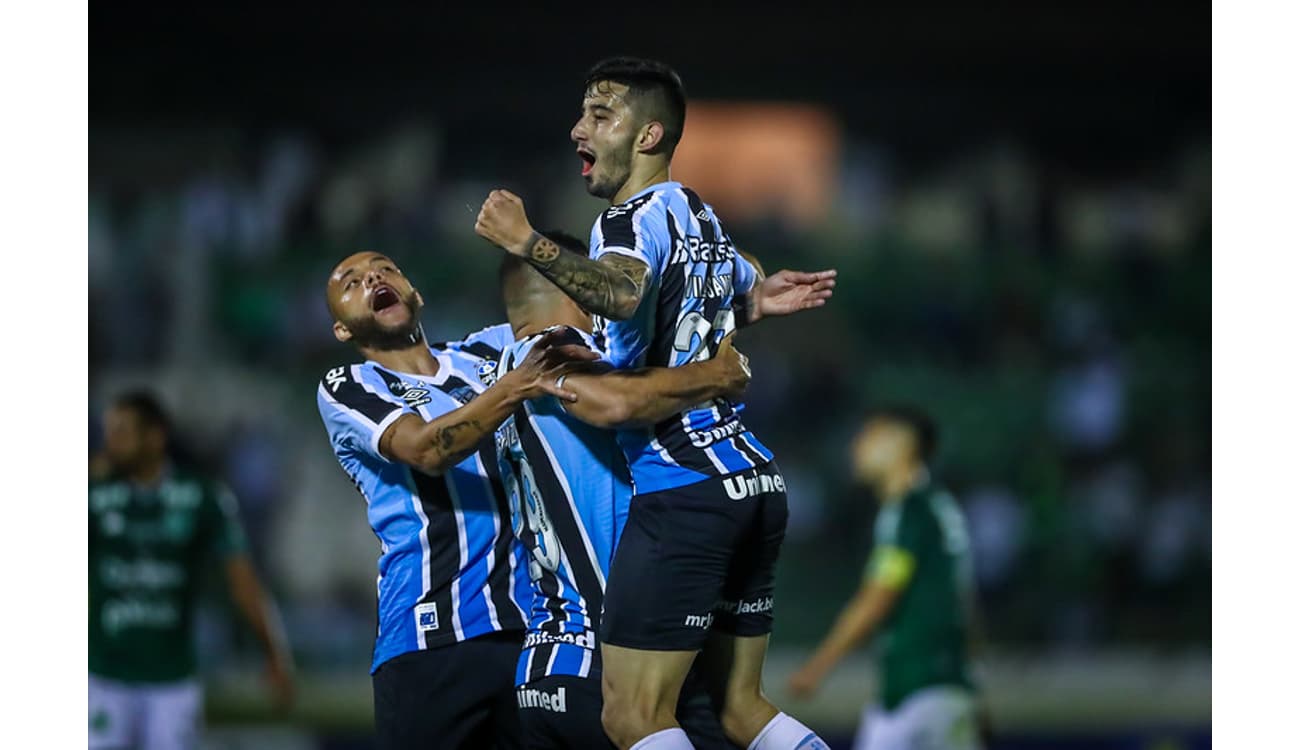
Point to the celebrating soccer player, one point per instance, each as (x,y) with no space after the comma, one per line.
(412,426)
(569,492)
(694,567)
(916,594)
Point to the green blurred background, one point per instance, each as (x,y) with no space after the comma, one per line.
(1017,203)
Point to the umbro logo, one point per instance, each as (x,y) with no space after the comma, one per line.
(703,215)
(416,397)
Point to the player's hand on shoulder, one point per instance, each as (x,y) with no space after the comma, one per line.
(786,292)
(551,358)
(731,368)
(503,222)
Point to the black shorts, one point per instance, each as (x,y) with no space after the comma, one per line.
(456,696)
(694,558)
(563,712)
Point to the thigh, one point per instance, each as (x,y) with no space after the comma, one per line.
(746,606)
(556,713)
(669,569)
(112,715)
(170,716)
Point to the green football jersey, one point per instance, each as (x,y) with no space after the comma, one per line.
(921,545)
(148,546)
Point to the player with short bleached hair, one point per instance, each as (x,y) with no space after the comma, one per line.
(412,427)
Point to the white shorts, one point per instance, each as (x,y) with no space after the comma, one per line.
(162,716)
(935,718)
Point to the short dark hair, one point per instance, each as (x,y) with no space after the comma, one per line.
(655,85)
(147,408)
(921,424)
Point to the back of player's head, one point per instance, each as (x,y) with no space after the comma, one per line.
(654,90)
(522,285)
(146,407)
(925,433)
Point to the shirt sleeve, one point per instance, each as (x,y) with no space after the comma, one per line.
(897,548)
(744,276)
(225,531)
(637,229)
(356,412)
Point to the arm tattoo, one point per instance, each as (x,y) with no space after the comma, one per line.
(611,286)
(447,438)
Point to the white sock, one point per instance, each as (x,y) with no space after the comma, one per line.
(665,739)
(784,732)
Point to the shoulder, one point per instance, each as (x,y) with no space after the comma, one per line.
(566,336)
(487,343)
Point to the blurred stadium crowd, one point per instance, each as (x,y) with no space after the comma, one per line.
(1055,321)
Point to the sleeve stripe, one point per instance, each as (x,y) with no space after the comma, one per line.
(378,433)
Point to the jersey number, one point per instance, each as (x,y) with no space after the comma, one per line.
(528,517)
(694,325)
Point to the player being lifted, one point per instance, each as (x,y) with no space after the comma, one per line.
(570,490)
(693,571)
(412,426)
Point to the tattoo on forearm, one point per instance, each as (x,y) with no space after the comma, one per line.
(447,438)
(542,251)
(611,286)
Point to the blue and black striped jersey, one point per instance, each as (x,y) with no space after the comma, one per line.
(695,275)
(569,494)
(448,567)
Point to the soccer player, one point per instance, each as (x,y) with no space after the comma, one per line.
(412,427)
(569,493)
(709,514)
(916,595)
(153,527)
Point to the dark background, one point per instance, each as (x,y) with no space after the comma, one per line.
(1020,217)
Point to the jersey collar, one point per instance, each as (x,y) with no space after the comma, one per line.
(669,185)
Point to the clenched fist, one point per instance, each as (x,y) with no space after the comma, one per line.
(502,222)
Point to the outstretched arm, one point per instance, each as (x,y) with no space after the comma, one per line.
(640,398)
(611,286)
(782,293)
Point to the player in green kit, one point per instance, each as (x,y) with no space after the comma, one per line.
(917,595)
(152,529)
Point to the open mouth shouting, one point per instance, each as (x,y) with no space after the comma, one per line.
(384,297)
(588,160)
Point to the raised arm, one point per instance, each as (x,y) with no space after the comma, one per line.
(640,398)
(435,446)
(611,287)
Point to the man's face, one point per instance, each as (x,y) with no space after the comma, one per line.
(127,440)
(374,305)
(879,448)
(606,136)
